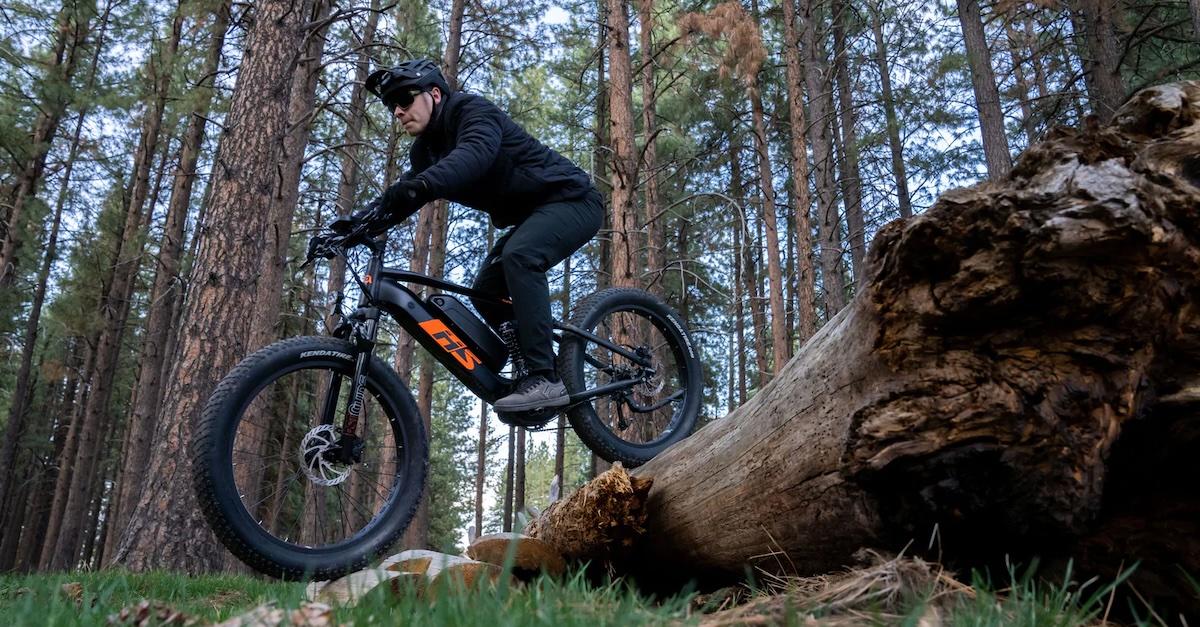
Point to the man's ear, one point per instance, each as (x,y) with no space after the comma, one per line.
(436,93)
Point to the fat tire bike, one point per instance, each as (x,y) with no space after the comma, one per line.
(310,456)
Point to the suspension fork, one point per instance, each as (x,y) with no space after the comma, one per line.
(362,335)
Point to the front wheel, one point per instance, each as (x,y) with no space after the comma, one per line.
(639,422)
(269,473)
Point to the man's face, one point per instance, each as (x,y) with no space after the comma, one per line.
(416,116)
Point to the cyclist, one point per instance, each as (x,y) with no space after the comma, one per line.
(470,152)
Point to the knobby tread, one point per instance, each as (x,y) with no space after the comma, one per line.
(213,419)
(570,365)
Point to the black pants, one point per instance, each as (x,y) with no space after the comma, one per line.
(516,268)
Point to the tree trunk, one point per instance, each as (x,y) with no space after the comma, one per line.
(165,293)
(72,29)
(851,179)
(38,521)
(1016,52)
(1103,60)
(780,349)
(22,387)
(66,454)
(624,253)
(1194,10)
(749,267)
(601,147)
(987,97)
(481,467)
(166,529)
(820,137)
(805,274)
(651,221)
(904,204)
(739,315)
(507,520)
(1019,372)
(560,431)
(115,307)
(519,473)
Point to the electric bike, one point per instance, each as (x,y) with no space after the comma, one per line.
(310,456)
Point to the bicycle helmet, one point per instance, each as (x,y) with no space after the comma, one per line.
(400,84)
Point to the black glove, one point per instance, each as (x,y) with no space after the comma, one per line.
(345,224)
(403,198)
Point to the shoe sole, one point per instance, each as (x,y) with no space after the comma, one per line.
(534,405)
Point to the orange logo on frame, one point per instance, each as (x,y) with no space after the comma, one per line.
(450,342)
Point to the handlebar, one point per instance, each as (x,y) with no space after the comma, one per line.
(362,231)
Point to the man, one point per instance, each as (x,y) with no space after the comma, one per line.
(470,152)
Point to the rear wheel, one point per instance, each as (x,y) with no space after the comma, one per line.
(661,408)
(269,473)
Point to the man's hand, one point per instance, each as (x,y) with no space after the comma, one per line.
(345,224)
(403,198)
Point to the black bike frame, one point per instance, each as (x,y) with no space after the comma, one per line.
(385,293)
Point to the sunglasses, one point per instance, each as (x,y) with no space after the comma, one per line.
(402,98)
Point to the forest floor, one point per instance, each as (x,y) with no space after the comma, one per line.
(891,592)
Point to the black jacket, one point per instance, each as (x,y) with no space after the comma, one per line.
(473,154)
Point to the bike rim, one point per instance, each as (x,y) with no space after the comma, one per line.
(278,484)
(636,327)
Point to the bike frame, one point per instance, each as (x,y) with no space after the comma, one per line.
(384,293)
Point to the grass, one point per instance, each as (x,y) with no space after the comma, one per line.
(41,599)
(896,592)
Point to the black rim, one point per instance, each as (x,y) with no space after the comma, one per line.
(277,499)
(661,397)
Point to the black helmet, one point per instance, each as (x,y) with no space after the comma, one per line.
(398,85)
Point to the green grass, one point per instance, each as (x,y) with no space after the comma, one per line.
(40,600)
(1021,600)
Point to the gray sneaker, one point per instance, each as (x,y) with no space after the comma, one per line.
(534,392)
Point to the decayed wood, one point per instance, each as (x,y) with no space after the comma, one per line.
(598,522)
(999,371)
(521,552)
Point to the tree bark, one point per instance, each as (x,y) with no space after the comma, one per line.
(507,520)
(1194,10)
(519,473)
(1103,60)
(166,291)
(987,97)
(780,348)
(65,455)
(820,136)
(749,274)
(651,221)
(851,178)
(903,203)
(481,467)
(1014,357)
(624,254)
(805,273)
(1016,52)
(166,529)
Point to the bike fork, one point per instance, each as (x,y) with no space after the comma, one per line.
(363,333)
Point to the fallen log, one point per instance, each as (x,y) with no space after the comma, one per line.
(1022,359)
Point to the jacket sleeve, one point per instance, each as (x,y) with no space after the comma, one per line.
(477,142)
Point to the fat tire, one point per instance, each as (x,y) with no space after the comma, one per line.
(217,493)
(588,426)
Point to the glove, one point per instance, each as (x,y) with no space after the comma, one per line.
(403,198)
(345,224)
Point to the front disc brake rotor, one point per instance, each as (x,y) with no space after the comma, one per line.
(317,468)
